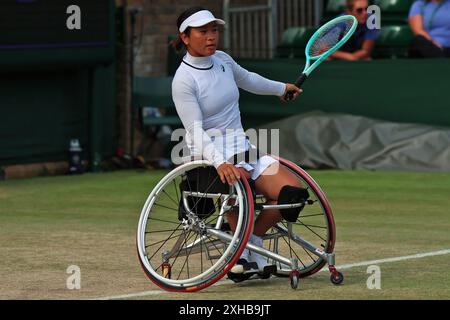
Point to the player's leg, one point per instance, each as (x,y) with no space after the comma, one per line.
(269,184)
(232,216)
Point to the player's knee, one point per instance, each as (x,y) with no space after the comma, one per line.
(292,195)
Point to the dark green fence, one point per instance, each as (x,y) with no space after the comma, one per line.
(400,90)
(57,85)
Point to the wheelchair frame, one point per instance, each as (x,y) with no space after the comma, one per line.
(289,267)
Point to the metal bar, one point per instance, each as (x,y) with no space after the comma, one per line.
(296,13)
(302,242)
(223,208)
(253,31)
(241,35)
(281,17)
(203,194)
(289,14)
(282,206)
(310,14)
(318,12)
(234,34)
(271,255)
(256,31)
(193,248)
(263,34)
(248,35)
(303,13)
(226,15)
(176,247)
(274,31)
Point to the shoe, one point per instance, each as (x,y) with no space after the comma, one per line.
(241,264)
(257,258)
(267,271)
(238,277)
(252,264)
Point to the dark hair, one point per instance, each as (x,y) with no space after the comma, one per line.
(350,4)
(178,44)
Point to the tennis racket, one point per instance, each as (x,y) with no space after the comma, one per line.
(324,42)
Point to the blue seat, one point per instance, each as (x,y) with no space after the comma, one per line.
(393,42)
(394,11)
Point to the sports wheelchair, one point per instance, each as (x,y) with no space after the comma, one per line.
(185,243)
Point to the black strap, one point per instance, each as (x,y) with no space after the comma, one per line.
(190,65)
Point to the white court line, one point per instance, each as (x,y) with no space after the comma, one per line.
(154,292)
(341,267)
(394,259)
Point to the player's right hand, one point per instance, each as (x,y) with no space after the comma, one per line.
(293,91)
(228,173)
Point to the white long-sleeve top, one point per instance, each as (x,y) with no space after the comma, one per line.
(206,96)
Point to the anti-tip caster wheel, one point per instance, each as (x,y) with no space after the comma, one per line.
(337,278)
(294,277)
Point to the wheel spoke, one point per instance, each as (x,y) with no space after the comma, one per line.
(176,190)
(309,254)
(158,231)
(162,241)
(201,197)
(310,215)
(166,207)
(212,242)
(318,235)
(168,195)
(290,248)
(167,239)
(167,221)
(284,239)
(309,225)
(186,261)
(183,244)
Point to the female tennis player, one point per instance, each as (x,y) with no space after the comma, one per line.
(205,93)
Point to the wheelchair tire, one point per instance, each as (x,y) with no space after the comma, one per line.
(315,224)
(197,252)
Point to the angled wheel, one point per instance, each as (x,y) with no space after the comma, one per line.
(183,240)
(315,225)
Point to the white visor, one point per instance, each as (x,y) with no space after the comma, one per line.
(199,19)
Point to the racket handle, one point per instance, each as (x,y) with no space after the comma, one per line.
(300,80)
(298,83)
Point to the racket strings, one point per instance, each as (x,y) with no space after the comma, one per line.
(329,37)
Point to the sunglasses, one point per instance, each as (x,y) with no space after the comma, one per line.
(359,10)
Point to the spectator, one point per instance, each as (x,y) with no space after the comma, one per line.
(360,45)
(430,23)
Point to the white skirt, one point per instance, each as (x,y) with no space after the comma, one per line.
(256,169)
(239,144)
